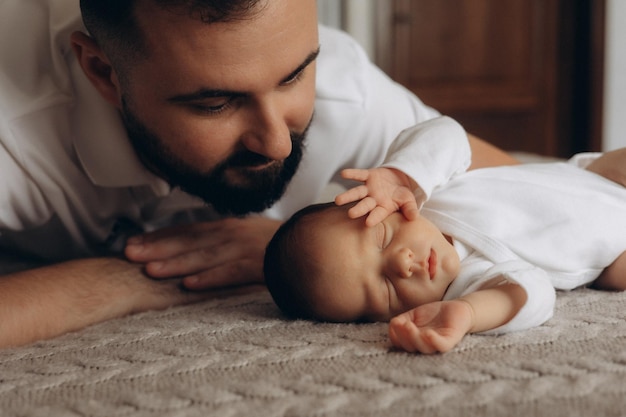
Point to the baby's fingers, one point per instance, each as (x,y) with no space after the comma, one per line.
(407,336)
(355,174)
(410,210)
(351,195)
(400,334)
(362,208)
(407,203)
(377,215)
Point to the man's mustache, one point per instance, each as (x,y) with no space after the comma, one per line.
(247,159)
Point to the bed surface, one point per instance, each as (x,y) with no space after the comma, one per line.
(237,356)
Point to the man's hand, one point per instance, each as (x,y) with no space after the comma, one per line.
(433,327)
(385,191)
(217,254)
(611,165)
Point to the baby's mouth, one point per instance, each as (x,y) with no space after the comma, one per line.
(432,264)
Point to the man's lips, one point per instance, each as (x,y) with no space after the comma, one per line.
(257,167)
(249,160)
(252,168)
(432,264)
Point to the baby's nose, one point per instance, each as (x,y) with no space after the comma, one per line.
(403,263)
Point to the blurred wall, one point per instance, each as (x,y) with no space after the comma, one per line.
(354,16)
(358,18)
(614,119)
(329,12)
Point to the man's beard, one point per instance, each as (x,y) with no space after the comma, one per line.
(257,190)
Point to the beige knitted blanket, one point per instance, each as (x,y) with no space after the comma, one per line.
(237,356)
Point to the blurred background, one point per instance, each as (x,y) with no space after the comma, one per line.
(540,76)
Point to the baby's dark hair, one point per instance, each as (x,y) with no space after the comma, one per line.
(289,274)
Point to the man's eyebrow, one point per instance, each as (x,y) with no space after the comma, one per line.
(310,58)
(205,93)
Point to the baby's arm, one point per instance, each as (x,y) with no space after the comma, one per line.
(440,326)
(430,153)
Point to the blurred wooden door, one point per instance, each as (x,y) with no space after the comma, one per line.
(525,75)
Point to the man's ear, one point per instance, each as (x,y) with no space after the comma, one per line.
(96,67)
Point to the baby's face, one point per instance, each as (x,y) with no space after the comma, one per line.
(376,273)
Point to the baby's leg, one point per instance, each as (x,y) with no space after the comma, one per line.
(613,278)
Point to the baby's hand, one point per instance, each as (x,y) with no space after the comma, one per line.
(433,327)
(385,190)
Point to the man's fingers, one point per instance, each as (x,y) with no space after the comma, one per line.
(202,277)
(170,242)
(184,264)
(249,235)
(229,274)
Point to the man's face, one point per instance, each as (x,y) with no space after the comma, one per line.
(221,109)
(376,273)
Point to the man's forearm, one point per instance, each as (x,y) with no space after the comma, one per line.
(486,155)
(611,165)
(49,301)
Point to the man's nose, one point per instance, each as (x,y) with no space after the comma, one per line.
(267,132)
(401,262)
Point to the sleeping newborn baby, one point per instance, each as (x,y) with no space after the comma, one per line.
(484,254)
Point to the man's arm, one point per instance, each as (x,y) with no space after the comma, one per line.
(440,326)
(485,155)
(611,165)
(46,302)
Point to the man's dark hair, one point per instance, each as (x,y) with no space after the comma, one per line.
(287,271)
(112,22)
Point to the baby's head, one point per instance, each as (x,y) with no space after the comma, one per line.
(323,265)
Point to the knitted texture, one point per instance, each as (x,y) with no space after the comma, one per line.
(238,356)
